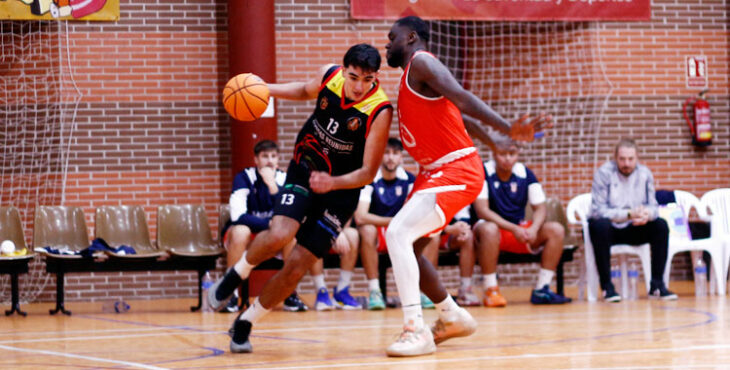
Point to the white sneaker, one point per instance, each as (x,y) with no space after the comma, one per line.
(462,324)
(412,342)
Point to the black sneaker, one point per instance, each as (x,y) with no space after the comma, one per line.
(659,291)
(294,304)
(610,295)
(221,291)
(239,339)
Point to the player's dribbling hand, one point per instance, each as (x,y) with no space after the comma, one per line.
(526,128)
(321,182)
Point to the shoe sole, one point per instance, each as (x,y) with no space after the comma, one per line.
(345,307)
(667,298)
(319,307)
(428,351)
(376,308)
(241,348)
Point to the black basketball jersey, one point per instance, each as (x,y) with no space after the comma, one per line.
(333,138)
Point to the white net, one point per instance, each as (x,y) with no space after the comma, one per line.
(38,103)
(532,67)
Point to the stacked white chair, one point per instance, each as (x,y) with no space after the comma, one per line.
(718,203)
(712,245)
(578,209)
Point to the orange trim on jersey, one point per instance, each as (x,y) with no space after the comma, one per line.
(333,74)
(372,116)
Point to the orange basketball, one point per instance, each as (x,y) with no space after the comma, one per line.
(246,97)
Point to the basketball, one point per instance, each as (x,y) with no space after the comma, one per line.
(246,97)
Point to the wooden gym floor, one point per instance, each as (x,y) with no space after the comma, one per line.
(164,334)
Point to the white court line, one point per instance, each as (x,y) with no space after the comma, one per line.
(158,334)
(693,366)
(174,330)
(511,357)
(88,358)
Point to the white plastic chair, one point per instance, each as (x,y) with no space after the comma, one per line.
(718,202)
(713,246)
(578,209)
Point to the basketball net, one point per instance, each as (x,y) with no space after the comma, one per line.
(533,67)
(38,104)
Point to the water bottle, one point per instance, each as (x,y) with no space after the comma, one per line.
(205,285)
(633,283)
(118,306)
(713,282)
(700,278)
(616,277)
(582,281)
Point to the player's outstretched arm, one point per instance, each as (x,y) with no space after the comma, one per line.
(321,182)
(305,90)
(433,73)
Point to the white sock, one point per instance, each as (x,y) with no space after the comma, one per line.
(465,282)
(255,312)
(242,267)
(544,278)
(447,308)
(417,217)
(490,280)
(374,284)
(413,315)
(345,278)
(319,281)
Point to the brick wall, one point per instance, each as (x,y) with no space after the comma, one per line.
(151,129)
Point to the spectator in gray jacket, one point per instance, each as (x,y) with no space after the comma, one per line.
(624,211)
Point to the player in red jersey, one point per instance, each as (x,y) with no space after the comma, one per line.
(430,107)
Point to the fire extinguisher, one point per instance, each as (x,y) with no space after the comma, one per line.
(699,119)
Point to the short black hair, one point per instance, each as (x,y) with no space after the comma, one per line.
(416,24)
(364,56)
(394,144)
(264,146)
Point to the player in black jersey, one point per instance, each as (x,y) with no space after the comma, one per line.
(337,151)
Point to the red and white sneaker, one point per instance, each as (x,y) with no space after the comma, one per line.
(412,342)
(461,324)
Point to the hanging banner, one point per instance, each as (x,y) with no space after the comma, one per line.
(84,10)
(504,10)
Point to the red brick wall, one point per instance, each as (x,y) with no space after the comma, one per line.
(151,130)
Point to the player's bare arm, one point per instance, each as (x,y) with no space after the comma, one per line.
(363,216)
(431,78)
(321,182)
(539,215)
(481,207)
(303,90)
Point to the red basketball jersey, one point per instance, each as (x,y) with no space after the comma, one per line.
(431,129)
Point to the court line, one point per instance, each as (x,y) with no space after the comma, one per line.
(81,357)
(710,318)
(509,357)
